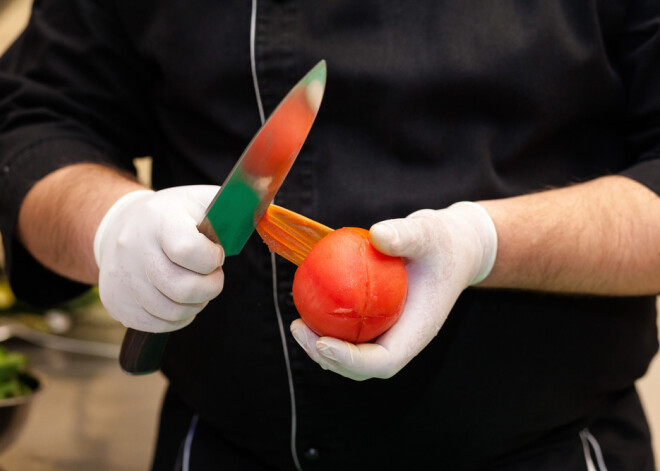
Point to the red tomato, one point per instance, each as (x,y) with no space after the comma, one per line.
(346,289)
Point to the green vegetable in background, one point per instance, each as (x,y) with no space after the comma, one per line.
(12,366)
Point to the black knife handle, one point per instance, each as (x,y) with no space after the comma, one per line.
(142,352)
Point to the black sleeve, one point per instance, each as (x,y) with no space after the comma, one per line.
(637,59)
(71,90)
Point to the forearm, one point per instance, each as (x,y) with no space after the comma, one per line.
(599,237)
(60,214)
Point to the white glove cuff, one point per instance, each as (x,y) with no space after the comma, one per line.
(487,233)
(116,208)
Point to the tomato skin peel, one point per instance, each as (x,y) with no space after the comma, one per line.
(345,288)
(290,235)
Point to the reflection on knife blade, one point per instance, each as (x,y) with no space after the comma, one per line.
(261,170)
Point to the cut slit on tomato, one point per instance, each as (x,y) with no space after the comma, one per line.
(345,288)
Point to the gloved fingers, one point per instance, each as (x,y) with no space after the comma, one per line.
(417,325)
(108,224)
(184,207)
(412,237)
(307,339)
(194,199)
(201,197)
(432,293)
(156,270)
(184,286)
(187,247)
(357,361)
(131,314)
(142,320)
(160,306)
(387,355)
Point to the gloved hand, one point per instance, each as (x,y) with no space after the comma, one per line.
(445,251)
(157,271)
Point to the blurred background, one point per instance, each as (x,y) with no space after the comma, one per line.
(88,414)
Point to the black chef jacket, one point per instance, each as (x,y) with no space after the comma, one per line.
(427,103)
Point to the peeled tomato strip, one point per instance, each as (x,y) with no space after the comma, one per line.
(290,234)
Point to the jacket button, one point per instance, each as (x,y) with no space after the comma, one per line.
(311,454)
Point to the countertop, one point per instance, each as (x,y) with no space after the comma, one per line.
(89,415)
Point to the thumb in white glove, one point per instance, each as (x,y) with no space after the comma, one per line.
(157,271)
(445,251)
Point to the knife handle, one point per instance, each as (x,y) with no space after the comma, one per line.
(142,352)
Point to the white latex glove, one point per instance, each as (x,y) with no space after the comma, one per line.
(445,251)
(157,271)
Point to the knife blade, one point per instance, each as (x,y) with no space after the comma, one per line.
(244,196)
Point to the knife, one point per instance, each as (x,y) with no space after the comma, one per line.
(244,196)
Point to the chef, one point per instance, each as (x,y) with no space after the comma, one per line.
(509,152)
